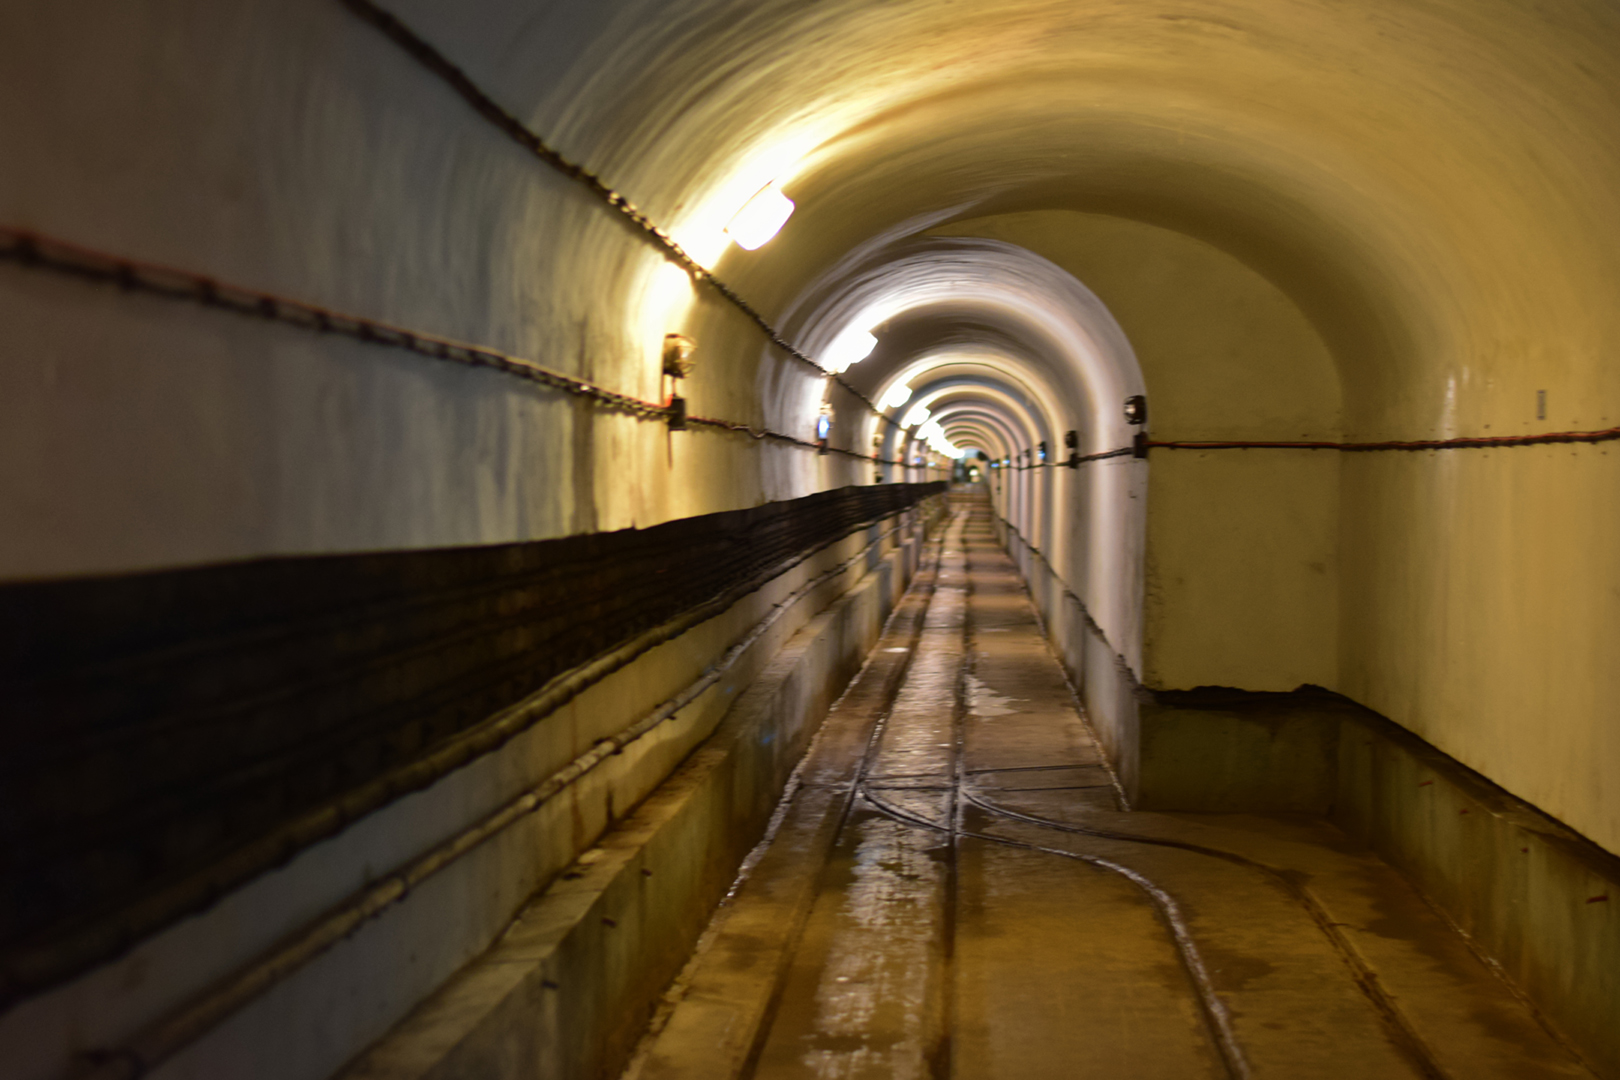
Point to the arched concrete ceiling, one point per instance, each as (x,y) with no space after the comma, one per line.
(1429,183)
(1421,178)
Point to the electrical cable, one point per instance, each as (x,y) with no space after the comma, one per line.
(1466,442)
(1469,442)
(1388,1010)
(1214,1012)
(430,58)
(35,250)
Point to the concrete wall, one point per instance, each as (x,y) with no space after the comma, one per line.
(1241,556)
(1530,893)
(1533,895)
(1481,613)
(572,983)
(324,1012)
(1429,186)
(1100,676)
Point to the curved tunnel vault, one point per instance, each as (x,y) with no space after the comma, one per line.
(972,321)
(346,338)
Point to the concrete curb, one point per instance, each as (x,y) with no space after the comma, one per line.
(568,987)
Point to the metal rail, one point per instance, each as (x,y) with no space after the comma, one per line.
(1216,1018)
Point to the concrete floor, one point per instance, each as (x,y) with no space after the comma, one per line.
(951,889)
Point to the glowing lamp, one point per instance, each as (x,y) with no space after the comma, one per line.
(761,218)
(848,348)
(897,396)
(918,415)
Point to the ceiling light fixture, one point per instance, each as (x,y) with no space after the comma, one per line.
(847,349)
(761,218)
(897,396)
(919,414)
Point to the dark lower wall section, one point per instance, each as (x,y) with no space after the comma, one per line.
(167,736)
(1233,750)
(1536,897)
(567,989)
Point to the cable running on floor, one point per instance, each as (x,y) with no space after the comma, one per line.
(1217,1022)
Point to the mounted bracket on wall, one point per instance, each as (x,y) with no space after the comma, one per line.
(677,365)
(1136,413)
(1071,443)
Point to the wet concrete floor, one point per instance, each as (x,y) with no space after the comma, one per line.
(952,890)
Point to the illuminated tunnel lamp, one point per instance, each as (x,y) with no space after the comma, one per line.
(897,396)
(919,414)
(935,437)
(761,218)
(848,349)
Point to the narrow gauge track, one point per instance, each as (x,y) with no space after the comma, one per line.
(1217,1019)
(1366,979)
(1214,1012)
(899,927)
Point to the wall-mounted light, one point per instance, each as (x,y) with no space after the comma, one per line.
(761,218)
(677,359)
(1136,409)
(824,427)
(1040,452)
(919,414)
(677,364)
(1071,442)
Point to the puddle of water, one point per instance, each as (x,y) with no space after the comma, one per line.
(985,703)
(872,1014)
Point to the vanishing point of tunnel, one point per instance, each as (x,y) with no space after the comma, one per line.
(828,539)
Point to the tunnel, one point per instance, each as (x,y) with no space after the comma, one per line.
(759,539)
